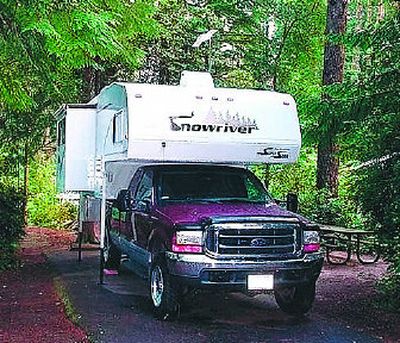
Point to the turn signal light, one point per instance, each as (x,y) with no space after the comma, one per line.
(187,241)
(313,247)
(311,241)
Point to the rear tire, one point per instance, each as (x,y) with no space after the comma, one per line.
(296,300)
(164,296)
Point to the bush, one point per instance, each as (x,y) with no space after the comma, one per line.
(378,190)
(44,207)
(316,205)
(389,286)
(11,225)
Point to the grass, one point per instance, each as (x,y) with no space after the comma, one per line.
(69,308)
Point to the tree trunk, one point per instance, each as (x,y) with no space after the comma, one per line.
(93,83)
(328,162)
(266,175)
(328,167)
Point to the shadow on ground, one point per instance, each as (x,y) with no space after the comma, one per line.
(119,311)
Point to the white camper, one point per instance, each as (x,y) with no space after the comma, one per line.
(179,212)
(191,122)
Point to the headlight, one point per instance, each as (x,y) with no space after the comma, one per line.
(188,241)
(312,241)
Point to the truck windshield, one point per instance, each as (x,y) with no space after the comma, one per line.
(210,186)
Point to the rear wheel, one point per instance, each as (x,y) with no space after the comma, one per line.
(297,299)
(163,294)
(112,256)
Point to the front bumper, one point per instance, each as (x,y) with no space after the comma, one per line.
(202,271)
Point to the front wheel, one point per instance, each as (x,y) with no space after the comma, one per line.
(296,300)
(164,295)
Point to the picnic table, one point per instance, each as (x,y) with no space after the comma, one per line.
(335,237)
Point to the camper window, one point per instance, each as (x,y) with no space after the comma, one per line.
(119,127)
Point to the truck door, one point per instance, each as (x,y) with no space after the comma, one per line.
(141,217)
(138,224)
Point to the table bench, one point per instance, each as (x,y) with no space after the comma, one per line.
(352,239)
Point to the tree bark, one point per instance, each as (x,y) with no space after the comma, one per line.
(328,162)
(266,175)
(328,167)
(93,83)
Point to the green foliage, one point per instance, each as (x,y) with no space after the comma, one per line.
(46,49)
(316,205)
(389,286)
(370,115)
(49,50)
(44,207)
(11,225)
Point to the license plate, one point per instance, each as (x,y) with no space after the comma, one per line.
(260,282)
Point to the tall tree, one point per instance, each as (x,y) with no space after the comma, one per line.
(45,47)
(334,58)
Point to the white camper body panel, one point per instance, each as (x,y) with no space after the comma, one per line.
(119,174)
(193,122)
(76,148)
(112,123)
(185,124)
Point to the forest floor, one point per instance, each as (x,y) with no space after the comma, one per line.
(31,304)
(34,308)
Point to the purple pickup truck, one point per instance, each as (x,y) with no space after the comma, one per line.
(191,226)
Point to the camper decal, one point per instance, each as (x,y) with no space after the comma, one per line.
(215,122)
(274,153)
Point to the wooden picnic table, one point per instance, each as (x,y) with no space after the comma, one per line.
(353,239)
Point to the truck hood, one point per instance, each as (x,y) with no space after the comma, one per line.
(195,213)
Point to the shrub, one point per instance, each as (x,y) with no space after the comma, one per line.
(389,286)
(378,190)
(44,207)
(316,205)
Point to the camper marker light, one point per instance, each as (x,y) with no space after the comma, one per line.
(187,241)
(311,241)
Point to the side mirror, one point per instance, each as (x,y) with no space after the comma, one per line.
(280,202)
(123,201)
(144,205)
(292,202)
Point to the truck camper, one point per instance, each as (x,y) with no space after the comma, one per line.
(178,203)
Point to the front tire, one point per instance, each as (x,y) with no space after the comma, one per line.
(164,295)
(296,300)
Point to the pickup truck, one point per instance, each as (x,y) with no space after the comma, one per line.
(202,226)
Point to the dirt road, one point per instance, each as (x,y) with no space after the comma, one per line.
(31,309)
(119,310)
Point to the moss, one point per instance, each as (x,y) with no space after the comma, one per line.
(69,308)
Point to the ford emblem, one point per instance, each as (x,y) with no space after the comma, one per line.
(258,242)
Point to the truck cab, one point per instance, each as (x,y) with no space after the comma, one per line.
(203,226)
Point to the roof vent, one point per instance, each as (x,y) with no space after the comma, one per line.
(196,79)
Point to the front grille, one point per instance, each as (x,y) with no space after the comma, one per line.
(272,239)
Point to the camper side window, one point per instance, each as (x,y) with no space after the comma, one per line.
(119,127)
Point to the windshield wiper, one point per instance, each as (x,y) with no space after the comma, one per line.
(197,201)
(243,200)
